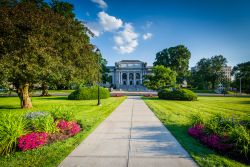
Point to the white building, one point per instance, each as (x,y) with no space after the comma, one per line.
(128,74)
(227,71)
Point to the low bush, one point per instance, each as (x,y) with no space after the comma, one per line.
(32,140)
(179,94)
(41,122)
(62,113)
(225,135)
(12,126)
(89,93)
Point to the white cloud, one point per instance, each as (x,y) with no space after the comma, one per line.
(109,23)
(126,40)
(101,3)
(147,36)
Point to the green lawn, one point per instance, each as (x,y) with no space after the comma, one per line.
(177,117)
(51,155)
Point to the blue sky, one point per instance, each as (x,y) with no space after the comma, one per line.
(138,29)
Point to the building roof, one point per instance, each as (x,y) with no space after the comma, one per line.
(136,61)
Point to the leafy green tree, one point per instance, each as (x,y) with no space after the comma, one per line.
(38,45)
(176,58)
(209,72)
(242,72)
(63,8)
(161,77)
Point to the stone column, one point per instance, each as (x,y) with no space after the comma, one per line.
(134,79)
(127,78)
(120,78)
(141,78)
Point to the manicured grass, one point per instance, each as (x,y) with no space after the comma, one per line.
(51,155)
(203,91)
(177,117)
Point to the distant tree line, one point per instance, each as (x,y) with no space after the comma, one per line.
(171,68)
(43,43)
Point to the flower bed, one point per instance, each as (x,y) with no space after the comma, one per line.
(32,140)
(34,130)
(226,136)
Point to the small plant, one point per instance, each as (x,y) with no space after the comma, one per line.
(62,113)
(41,122)
(32,140)
(12,126)
(70,128)
(241,137)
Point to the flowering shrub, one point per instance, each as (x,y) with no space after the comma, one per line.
(211,140)
(32,140)
(69,127)
(196,131)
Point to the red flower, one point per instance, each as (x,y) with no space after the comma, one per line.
(32,140)
(69,127)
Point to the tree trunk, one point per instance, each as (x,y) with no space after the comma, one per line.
(45,91)
(23,94)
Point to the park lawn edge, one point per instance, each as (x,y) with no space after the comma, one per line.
(70,144)
(204,153)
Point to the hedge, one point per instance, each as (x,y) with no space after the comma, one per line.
(181,94)
(89,93)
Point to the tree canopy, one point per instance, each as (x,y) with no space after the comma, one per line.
(176,58)
(161,77)
(39,44)
(208,71)
(242,72)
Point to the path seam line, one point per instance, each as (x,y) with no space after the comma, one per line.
(130,132)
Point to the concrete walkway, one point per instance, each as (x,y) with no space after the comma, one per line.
(131,136)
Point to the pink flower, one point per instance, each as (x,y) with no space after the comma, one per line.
(32,140)
(69,127)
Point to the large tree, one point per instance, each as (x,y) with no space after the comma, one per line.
(37,43)
(242,72)
(161,77)
(176,58)
(208,71)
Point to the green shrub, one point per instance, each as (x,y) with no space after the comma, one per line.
(41,122)
(180,94)
(12,126)
(89,93)
(62,112)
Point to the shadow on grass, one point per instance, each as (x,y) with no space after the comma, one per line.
(54,98)
(244,102)
(9,107)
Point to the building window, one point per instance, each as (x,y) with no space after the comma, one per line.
(124,76)
(131,76)
(137,76)
(131,82)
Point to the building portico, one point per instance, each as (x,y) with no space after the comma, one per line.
(128,73)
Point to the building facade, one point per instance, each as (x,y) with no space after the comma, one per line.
(128,74)
(227,72)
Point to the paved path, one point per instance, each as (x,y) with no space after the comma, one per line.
(131,136)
